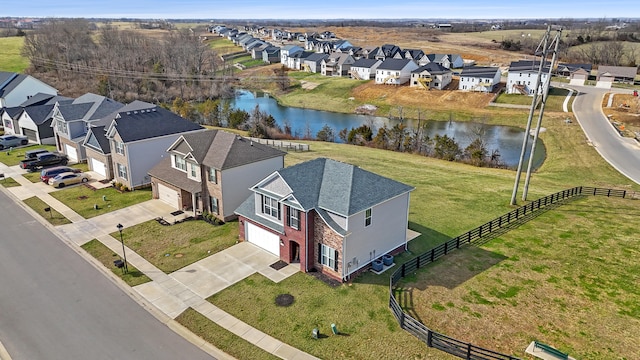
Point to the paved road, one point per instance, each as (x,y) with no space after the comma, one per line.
(55,305)
(622,153)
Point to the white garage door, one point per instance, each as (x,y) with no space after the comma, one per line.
(71,152)
(99,167)
(263,238)
(30,134)
(168,195)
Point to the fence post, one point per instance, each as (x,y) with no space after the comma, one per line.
(468,351)
(432,250)
(594,191)
(608,192)
(429,338)
(624,193)
(403,269)
(445,247)
(418,263)
(458,242)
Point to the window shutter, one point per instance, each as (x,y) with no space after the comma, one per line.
(288,215)
(335,262)
(320,253)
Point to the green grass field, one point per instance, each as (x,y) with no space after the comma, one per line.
(103,254)
(11,60)
(554,100)
(52,216)
(82,200)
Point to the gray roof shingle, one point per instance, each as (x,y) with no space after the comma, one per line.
(479,71)
(39,114)
(394,64)
(150,123)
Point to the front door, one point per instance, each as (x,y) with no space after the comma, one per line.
(294,252)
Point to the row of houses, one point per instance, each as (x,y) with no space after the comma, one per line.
(324,215)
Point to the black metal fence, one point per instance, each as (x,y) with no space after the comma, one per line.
(448,344)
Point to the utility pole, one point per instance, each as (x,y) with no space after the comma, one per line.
(545,94)
(545,41)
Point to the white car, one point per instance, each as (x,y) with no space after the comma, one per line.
(68,178)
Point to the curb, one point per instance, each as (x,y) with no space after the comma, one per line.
(128,290)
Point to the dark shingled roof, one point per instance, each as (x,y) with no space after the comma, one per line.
(97,139)
(339,187)
(317,57)
(394,64)
(433,69)
(39,114)
(479,71)
(146,124)
(528,65)
(166,173)
(136,105)
(9,81)
(223,150)
(364,63)
(13,112)
(37,99)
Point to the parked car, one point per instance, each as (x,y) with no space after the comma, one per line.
(68,178)
(33,154)
(44,160)
(52,172)
(7,141)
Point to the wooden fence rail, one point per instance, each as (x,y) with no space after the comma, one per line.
(448,344)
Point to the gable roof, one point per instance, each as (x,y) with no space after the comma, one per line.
(13,112)
(96,138)
(316,57)
(394,64)
(528,66)
(479,72)
(365,63)
(133,106)
(9,81)
(88,107)
(339,187)
(223,150)
(39,114)
(573,67)
(150,123)
(432,68)
(37,99)
(618,71)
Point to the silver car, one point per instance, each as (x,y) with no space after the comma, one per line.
(68,178)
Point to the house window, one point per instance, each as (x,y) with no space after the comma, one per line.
(214,205)
(119,147)
(193,170)
(367,217)
(328,257)
(180,163)
(213,175)
(270,207)
(293,220)
(122,171)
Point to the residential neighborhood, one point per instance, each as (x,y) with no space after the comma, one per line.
(190,225)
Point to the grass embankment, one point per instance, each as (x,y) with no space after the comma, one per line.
(103,254)
(170,248)
(566,278)
(52,216)
(554,101)
(222,338)
(82,200)
(11,59)
(449,199)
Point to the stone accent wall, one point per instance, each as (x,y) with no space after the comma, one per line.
(323,234)
(120,159)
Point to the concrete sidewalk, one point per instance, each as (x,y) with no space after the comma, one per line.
(171,294)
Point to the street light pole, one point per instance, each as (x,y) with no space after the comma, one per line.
(124,254)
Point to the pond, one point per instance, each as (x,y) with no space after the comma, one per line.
(506,139)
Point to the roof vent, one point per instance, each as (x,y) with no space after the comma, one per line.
(128,112)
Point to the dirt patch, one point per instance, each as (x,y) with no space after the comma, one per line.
(308,85)
(624,113)
(417,97)
(284,299)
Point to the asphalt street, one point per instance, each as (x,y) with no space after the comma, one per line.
(622,153)
(56,305)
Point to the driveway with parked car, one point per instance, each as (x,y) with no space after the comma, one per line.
(68,178)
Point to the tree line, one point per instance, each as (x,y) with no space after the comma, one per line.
(123,64)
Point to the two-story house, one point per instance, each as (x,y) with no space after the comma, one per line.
(364,69)
(327,215)
(139,140)
(395,71)
(213,171)
(431,76)
(523,75)
(337,64)
(72,120)
(479,78)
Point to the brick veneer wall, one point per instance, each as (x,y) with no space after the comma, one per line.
(323,234)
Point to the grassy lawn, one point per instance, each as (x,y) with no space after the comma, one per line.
(53,217)
(554,100)
(13,157)
(34,177)
(82,199)
(9,182)
(173,247)
(107,257)
(331,94)
(444,190)
(11,60)
(222,45)
(567,278)
(221,338)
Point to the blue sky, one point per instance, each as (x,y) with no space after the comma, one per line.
(325,9)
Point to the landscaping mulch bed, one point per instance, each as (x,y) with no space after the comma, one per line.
(325,279)
(284,299)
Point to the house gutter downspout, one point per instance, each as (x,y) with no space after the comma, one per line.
(406,231)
